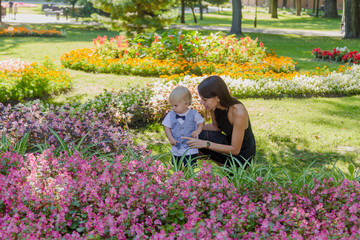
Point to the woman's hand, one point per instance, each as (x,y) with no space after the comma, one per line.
(194,142)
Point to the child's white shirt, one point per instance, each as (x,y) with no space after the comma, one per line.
(167,123)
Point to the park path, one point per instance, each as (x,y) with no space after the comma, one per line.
(262,30)
(40,18)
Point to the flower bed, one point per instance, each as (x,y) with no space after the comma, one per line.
(25,32)
(20,80)
(179,54)
(72,197)
(335,83)
(337,54)
(78,128)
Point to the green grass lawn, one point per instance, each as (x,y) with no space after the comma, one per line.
(30,10)
(264,20)
(290,133)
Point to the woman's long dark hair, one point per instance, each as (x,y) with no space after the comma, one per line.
(214,86)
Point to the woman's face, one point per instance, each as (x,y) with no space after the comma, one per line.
(210,103)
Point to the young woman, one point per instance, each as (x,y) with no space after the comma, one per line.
(230,132)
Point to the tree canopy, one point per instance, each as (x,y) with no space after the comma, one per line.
(136,15)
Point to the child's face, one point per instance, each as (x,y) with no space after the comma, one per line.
(180,107)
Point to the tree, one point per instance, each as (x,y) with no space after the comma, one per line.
(0,12)
(352,19)
(284,3)
(72,3)
(192,4)
(330,9)
(182,18)
(274,4)
(236,17)
(298,7)
(136,15)
(317,8)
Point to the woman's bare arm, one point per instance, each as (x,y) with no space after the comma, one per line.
(239,119)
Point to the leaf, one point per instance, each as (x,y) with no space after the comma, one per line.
(74,224)
(62,143)
(21,146)
(351,169)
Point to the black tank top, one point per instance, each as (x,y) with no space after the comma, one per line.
(248,147)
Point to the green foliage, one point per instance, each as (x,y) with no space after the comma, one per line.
(20,147)
(128,107)
(218,2)
(137,15)
(35,80)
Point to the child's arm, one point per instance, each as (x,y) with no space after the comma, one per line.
(196,133)
(172,140)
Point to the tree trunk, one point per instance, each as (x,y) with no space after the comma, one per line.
(193,12)
(314,6)
(342,26)
(0,12)
(274,4)
(182,18)
(236,17)
(284,4)
(317,8)
(201,10)
(330,9)
(352,19)
(270,5)
(298,7)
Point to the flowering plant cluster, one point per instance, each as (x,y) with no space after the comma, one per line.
(176,45)
(73,197)
(80,128)
(337,54)
(269,67)
(9,65)
(334,83)
(179,54)
(24,32)
(129,107)
(20,80)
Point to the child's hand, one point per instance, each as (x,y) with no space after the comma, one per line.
(195,134)
(173,141)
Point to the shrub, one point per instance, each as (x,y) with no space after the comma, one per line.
(90,130)
(176,45)
(337,54)
(24,80)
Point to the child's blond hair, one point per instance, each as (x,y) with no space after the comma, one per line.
(180,94)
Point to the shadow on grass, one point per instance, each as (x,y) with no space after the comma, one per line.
(346,107)
(265,21)
(288,155)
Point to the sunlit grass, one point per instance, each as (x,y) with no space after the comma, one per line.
(89,85)
(30,10)
(264,20)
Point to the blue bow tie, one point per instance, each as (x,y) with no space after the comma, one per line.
(178,116)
